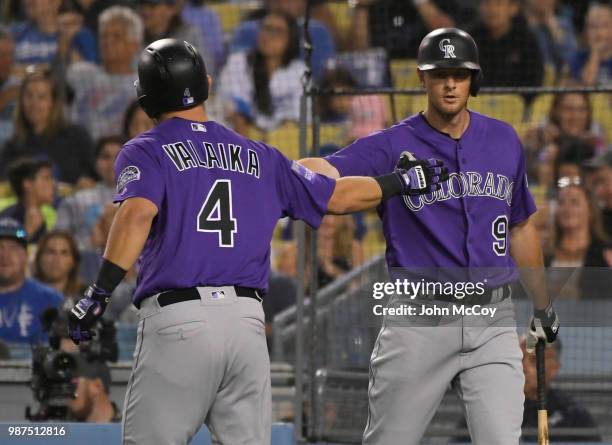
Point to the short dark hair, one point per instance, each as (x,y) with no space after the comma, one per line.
(103,141)
(5,33)
(130,111)
(22,169)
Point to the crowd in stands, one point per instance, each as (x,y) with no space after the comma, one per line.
(68,103)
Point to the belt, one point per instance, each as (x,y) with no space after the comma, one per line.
(490,295)
(181,295)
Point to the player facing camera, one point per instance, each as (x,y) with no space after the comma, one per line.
(56,368)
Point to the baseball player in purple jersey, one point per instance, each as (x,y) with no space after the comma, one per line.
(199,204)
(480,218)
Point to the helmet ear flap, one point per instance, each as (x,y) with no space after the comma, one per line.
(477,78)
(145,103)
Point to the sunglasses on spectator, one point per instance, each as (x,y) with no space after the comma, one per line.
(567,181)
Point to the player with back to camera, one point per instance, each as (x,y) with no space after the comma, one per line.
(478,219)
(198,205)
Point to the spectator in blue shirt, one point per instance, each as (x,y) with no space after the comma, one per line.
(38,39)
(208,23)
(22,301)
(555,33)
(245,36)
(593,66)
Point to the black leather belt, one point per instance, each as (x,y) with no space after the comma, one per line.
(180,295)
(490,295)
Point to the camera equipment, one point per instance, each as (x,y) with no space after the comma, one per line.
(54,371)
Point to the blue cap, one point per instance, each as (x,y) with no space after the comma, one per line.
(10,228)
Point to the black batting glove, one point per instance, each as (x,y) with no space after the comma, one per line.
(420,176)
(86,312)
(544,325)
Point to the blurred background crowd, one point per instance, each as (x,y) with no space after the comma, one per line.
(67,104)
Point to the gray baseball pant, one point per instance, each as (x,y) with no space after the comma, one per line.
(416,358)
(200,362)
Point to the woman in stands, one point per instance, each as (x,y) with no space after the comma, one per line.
(263,86)
(135,121)
(579,242)
(42,131)
(570,115)
(57,264)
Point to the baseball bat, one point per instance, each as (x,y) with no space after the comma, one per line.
(542,410)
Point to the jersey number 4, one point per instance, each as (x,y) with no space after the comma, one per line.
(499,230)
(216,214)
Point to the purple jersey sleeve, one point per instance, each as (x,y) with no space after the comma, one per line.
(369,156)
(138,175)
(304,194)
(522,202)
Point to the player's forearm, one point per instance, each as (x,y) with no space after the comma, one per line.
(321,166)
(433,17)
(527,254)
(354,194)
(129,232)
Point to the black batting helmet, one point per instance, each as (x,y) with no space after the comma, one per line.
(450,48)
(171,77)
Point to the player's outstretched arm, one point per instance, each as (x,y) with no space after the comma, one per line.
(357,193)
(321,166)
(127,237)
(354,194)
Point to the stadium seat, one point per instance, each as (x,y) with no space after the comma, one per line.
(342,14)
(417,103)
(540,107)
(231,14)
(506,107)
(5,189)
(601,104)
(336,134)
(286,138)
(403,73)
(550,75)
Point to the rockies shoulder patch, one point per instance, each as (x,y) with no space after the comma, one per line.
(127,175)
(302,171)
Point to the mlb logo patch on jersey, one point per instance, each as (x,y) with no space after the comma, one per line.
(217,295)
(198,127)
(302,171)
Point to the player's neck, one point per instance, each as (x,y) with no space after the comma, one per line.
(197,114)
(454,125)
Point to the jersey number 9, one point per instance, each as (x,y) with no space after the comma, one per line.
(499,230)
(216,214)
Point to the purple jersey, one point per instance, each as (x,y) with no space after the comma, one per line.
(219,196)
(466,222)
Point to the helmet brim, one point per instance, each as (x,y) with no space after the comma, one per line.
(449,63)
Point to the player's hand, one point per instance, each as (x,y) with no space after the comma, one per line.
(420,176)
(86,313)
(544,325)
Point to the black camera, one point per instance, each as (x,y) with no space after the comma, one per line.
(53,383)
(54,371)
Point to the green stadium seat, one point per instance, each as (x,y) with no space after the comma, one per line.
(509,108)
(403,73)
(540,107)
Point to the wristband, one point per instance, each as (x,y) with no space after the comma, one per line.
(390,185)
(545,313)
(110,276)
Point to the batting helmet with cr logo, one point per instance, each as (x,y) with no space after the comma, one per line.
(450,48)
